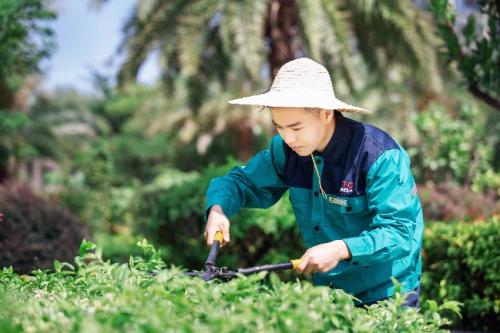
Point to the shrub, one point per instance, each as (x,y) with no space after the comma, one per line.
(457,143)
(103,209)
(447,201)
(462,262)
(98,296)
(34,231)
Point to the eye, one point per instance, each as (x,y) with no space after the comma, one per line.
(296,129)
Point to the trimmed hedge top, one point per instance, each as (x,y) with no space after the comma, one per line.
(98,296)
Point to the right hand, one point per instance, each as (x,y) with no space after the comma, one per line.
(217,221)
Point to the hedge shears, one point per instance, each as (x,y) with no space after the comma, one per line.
(213,272)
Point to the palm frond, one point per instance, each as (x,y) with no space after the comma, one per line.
(143,33)
(338,44)
(313,23)
(388,32)
(243,24)
(193,34)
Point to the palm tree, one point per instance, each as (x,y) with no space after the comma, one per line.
(216,50)
(207,39)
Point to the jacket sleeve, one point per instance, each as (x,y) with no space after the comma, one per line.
(391,195)
(259,184)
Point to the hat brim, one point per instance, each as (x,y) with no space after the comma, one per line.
(271,99)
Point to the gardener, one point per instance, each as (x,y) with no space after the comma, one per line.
(350,186)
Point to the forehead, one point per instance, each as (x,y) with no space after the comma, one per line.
(283,116)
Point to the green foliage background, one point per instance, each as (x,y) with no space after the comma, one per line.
(134,161)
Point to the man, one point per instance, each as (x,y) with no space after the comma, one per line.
(350,187)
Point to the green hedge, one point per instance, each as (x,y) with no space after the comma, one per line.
(462,262)
(98,296)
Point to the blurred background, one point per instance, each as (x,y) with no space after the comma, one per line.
(114,118)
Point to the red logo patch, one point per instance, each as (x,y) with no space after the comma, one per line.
(346,186)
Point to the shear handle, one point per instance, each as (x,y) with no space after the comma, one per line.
(214,250)
(292,264)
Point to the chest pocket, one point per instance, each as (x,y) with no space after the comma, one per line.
(348,215)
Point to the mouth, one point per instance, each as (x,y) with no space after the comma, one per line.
(295,148)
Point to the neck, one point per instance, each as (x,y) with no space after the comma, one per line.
(328,135)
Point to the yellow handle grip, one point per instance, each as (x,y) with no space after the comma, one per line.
(295,263)
(218,236)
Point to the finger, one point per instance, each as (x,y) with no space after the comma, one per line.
(303,263)
(225,233)
(210,236)
(310,268)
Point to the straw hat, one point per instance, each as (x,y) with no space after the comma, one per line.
(301,83)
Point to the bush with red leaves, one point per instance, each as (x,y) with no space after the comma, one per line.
(35,232)
(447,201)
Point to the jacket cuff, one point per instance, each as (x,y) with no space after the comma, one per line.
(358,249)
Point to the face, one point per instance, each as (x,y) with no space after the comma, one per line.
(304,130)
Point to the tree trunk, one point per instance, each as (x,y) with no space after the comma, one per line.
(6,96)
(281,28)
(4,164)
(244,139)
(4,176)
(36,181)
(6,101)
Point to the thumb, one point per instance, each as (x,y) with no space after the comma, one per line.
(304,261)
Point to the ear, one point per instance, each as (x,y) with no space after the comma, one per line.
(326,116)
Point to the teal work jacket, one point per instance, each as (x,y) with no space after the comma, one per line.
(372,204)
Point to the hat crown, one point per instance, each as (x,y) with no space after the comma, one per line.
(300,83)
(303,74)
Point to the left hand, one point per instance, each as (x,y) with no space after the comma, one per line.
(324,257)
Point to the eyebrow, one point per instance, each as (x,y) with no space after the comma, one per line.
(291,125)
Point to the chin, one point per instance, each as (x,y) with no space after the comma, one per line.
(303,153)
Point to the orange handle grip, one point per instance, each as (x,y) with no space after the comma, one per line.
(218,236)
(295,263)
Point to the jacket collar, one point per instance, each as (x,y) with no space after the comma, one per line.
(339,142)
